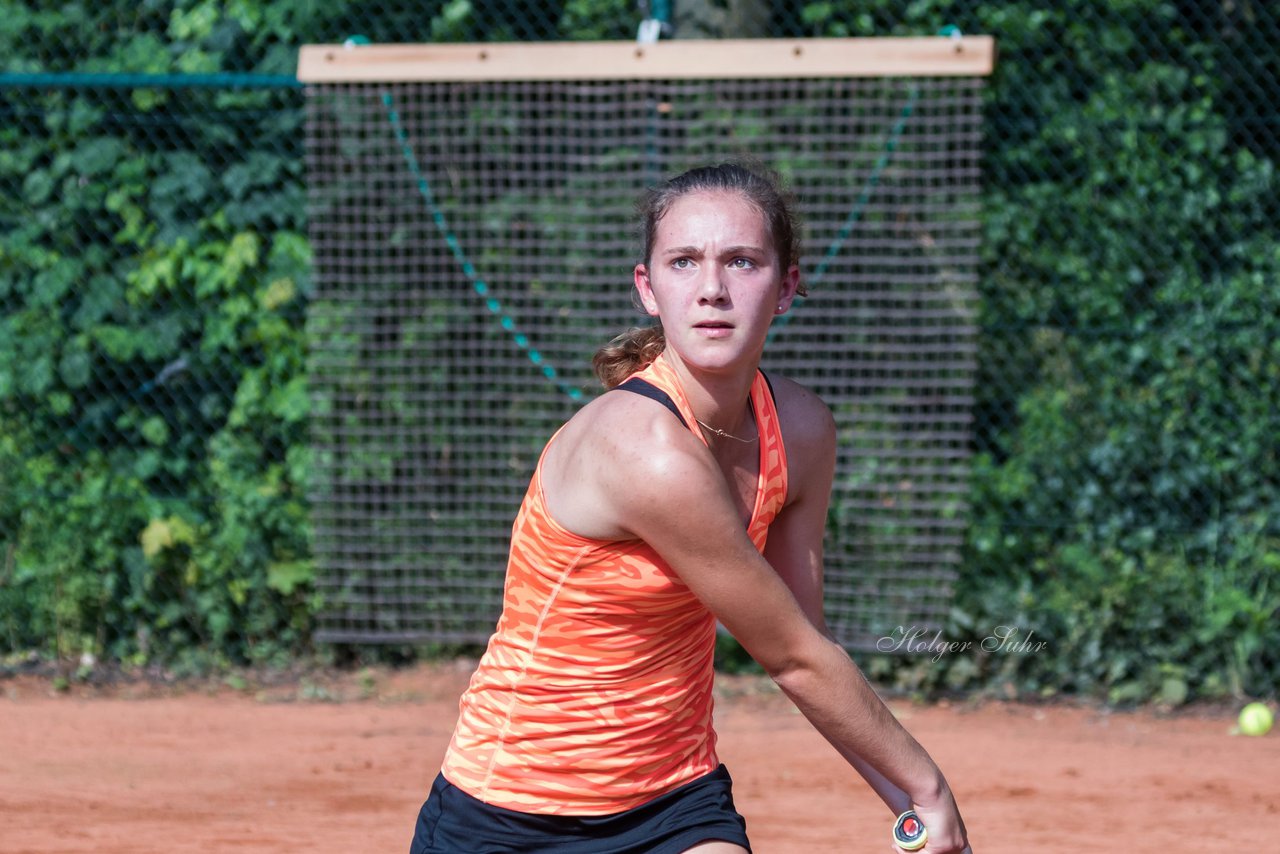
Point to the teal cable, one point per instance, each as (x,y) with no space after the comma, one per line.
(855,212)
(481,288)
(84,80)
(494,306)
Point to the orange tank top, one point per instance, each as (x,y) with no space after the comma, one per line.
(594,694)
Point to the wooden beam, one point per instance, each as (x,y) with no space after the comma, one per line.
(936,56)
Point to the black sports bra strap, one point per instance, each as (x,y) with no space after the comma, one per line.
(649,390)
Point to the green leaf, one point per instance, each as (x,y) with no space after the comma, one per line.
(242,254)
(156,537)
(186,181)
(99,298)
(259,169)
(155,430)
(119,343)
(248,396)
(60,403)
(146,464)
(51,286)
(165,533)
(277,294)
(162,338)
(291,402)
(195,23)
(816,13)
(76,366)
(37,187)
(286,576)
(98,155)
(35,376)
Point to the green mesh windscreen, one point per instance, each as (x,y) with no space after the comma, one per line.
(474,245)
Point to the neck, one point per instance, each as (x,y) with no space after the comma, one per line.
(719,399)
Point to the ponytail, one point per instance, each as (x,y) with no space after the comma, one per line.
(632,351)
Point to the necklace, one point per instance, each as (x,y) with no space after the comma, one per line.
(719,432)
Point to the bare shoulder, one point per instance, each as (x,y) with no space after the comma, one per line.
(620,426)
(617,457)
(800,403)
(808,427)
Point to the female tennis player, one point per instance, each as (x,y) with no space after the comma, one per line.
(695,491)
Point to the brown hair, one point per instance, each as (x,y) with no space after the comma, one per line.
(634,349)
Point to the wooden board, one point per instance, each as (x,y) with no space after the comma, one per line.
(937,56)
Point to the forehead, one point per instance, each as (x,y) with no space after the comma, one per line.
(713,215)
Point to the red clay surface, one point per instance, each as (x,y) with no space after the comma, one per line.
(342,764)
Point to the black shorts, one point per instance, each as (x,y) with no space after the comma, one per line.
(453,822)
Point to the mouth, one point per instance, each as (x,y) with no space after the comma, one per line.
(714,329)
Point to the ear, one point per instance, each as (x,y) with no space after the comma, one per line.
(645,290)
(787,293)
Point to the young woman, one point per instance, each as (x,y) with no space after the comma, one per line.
(696,490)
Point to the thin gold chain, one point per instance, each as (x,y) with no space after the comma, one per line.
(720,432)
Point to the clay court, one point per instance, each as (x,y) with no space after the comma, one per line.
(340,763)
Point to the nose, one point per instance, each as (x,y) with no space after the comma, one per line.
(711,289)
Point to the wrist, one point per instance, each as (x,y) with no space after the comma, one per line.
(931,792)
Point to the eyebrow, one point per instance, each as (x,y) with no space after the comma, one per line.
(728,250)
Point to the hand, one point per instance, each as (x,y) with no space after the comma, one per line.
(946,830)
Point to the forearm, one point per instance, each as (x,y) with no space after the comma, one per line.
(894,797)
(832,693)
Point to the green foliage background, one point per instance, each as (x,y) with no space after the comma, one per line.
(154,277)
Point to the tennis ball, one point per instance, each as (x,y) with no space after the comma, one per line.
(1255,719)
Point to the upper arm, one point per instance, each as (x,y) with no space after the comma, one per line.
(794,548)
(672,495)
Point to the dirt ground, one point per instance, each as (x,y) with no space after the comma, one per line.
(341,763)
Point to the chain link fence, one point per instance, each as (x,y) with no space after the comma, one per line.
(154,277)
(472,243)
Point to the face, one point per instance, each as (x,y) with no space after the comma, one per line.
(713,279)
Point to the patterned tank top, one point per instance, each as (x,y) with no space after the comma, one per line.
(594,694)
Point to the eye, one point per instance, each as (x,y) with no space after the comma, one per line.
(682,263)
(742,263)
